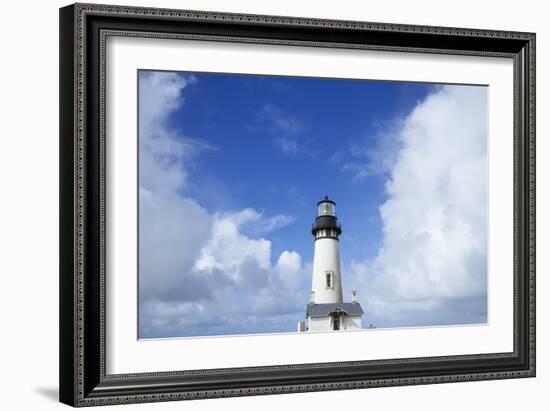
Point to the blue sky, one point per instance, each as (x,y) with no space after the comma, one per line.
(249,119)
(231,167)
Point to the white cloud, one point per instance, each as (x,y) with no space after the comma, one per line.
(287,145)
(169,223)
(291,272)
(281,121)
(165,155)
(246,262)
(431,266)
(375,154)
(198,272)
(246,292)
(254,223)
(228,249)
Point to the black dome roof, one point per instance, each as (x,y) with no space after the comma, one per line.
(326,200)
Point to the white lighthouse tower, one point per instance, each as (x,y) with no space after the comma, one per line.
(327,310)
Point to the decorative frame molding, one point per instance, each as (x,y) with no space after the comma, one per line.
(83,32)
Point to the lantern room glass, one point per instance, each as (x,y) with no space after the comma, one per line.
(326,208)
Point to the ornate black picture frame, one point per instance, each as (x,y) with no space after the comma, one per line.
(83,30)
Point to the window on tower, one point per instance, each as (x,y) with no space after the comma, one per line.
(329,279)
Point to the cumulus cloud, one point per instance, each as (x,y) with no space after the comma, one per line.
(164,228)
(246,292)
(202,272)
(372,156)
(432,265)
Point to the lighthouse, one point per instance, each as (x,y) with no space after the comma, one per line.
(326,310)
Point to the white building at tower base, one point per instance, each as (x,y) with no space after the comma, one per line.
(328,317)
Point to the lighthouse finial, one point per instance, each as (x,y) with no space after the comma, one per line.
(326,197)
